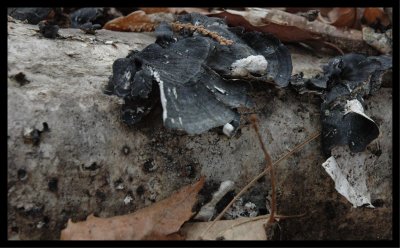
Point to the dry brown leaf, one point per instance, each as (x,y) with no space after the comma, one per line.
(373,16)
(340,17)
(294,28)
(258,20)
(159,221)
(238,229)
(138,21)
(175,10)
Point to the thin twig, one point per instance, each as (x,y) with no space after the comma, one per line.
(245,188)
(334,46)
(176,26)
(269,166)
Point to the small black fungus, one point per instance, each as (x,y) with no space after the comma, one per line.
(378,153)
(126,150)
(48,29)
(90,28)
(21,78)
(32,135)
(118,184)
(15,229)
(378,203)
(140,190)
(261,180)
(190,171)
(53,184)
(93,166)
(34,212)
(310,15)
(100,195)
(46,221)
(32,15)
(45,127)
(263,211)
(375,150)
(22,175)
(149,166)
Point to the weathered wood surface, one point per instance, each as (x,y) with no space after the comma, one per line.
(79,167)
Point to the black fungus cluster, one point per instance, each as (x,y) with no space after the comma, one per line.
(345,81)
(51,19)
(198,80)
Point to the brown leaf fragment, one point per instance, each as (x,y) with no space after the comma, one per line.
(374,16)
(259,20)
(138,21)
(175,10)
(294,28)
(237,229)
(159,221)
(340,17)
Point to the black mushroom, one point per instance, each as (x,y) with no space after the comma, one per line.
(198,77)
(346,80)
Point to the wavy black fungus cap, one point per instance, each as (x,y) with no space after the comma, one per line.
(198,86)
(345,81)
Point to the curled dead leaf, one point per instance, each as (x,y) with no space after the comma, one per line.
(294,28)
(340,17)
(160,221)
(265,20)
(138,21)
(374,16)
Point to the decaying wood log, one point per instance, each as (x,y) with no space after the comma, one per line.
(70,155)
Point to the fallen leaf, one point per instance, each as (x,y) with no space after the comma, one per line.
(340,17)
(237,229)
(294,28)
(265,20)
(159,221)
(175,10)
(374,16)
(138,21)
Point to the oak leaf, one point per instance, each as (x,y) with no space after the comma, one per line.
(160,221)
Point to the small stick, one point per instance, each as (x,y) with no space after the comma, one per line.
(269,166)
(177,26)
(334,46)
